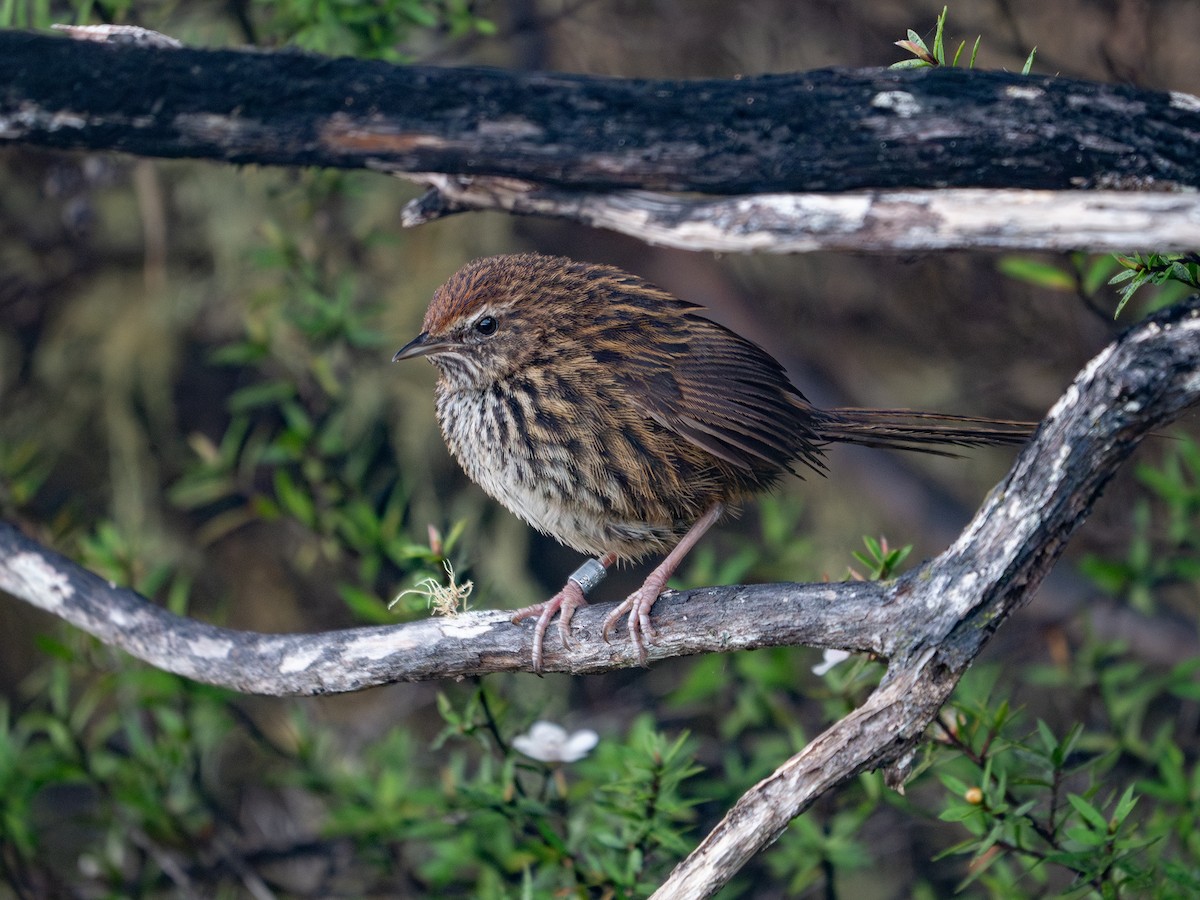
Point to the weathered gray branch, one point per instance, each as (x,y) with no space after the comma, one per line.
(853,616)
(1113,221)
(929,624)
(1008,547)
(958,600)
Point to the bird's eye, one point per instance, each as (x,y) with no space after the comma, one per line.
(487,325)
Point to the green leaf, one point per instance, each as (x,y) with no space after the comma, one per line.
(1042,274)
(1124,806)
(267,393)
(1089,813)
(1089,837)
(909,64)
(365,605)
(293,499)
(960,813)
(938,35)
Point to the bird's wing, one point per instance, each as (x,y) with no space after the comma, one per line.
(721,392)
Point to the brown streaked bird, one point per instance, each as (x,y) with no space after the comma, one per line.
(616,418)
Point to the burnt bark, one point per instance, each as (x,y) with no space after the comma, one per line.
(828,130)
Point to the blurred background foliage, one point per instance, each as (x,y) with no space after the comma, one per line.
(196,399)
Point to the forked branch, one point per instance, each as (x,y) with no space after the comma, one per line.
(957,601)
(1144,379)
(929,624)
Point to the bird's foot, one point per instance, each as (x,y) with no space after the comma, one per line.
(638,603)
(565,602)
(638,606)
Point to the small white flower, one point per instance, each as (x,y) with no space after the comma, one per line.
(550,743)
(831,659)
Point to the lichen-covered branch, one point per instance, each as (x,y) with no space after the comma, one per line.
(1145,379)
(852,616)
(929,624)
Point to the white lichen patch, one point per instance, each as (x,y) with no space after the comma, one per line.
(298,660)
(462,627)
(381,645)
(26,119)
(209,648)
(64,119)
(902,103)
(511,127)
(1018,512)
(966,585)
(1023,92)
(1060,460)
(37,581)
(938,593)
(1189,102)
(118,618)
(1071,396)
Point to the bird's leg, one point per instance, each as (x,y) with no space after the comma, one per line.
(638,603)
(565,602)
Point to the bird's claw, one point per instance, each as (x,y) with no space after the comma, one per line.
(564,603)
(640,629)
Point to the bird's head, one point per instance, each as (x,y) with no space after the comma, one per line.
(498,315)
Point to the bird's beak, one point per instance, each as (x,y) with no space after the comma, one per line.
(421,345)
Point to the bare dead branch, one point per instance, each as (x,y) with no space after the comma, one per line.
(1114,221)
(590,149)
(1143,380)
(852,616)
(827,130)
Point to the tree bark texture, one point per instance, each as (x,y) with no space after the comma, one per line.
(829,130)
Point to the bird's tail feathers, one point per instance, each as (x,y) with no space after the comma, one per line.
(922,432)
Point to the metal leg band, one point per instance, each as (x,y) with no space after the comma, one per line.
(590,574)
